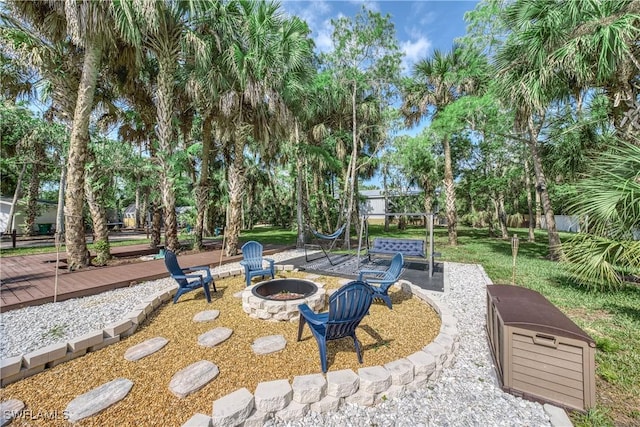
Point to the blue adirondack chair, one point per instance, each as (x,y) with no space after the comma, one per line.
(347,306)
(188,282)
(384,279)
(253,262)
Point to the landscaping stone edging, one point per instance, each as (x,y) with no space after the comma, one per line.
(324,393)
(16,368)
(380,382)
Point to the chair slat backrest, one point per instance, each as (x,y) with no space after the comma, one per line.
(252,254)
(171,262)
(347,306)
(395,268)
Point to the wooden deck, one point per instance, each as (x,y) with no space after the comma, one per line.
(30,280)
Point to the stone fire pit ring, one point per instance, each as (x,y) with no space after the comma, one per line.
(257,304)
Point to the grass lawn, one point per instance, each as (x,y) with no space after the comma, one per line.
(611,318)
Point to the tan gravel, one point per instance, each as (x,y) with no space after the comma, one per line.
(386,335)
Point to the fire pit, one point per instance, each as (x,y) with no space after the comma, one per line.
(278,299)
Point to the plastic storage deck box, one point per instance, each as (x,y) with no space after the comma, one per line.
(539,353)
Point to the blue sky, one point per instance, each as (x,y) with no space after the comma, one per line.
(421,26)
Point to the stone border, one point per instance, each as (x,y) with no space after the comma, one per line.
(326,392)
(16,368)
(272,399)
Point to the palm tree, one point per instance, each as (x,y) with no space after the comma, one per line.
(265,49)
(90,26)
(437,82)
(558,50)
(167,30)
(609,202)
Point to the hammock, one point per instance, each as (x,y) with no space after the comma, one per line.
(319,238)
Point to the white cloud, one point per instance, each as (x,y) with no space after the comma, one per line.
(414,50)
(317,15)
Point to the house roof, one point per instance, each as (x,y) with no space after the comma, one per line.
(378,193)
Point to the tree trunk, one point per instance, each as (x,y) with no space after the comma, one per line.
(299,193)
(156,225)
(136,212)
(527,182)
(352,170)
(60,209)
(77,254)
(502,216)
(555,248)
(34,190)
(202,189)
(236,189)
(16,197)
(386,201)
(490,219)
(165,139)
(450,193)
(95,200)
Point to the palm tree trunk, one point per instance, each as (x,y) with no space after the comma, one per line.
(34,189)
(95,200)
(165,139)
(555,248)
(236,189)
(450,193)
(156,225)
(77,254)
(299,193)
(202,189)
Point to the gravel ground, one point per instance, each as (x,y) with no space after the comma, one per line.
(467,393)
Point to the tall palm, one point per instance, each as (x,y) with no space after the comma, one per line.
(265,49)
(90,25)
(166,30)
(437,82)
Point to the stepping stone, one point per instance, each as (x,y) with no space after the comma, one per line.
(268,344)
(99,398)
(238,294)
(214,337)
(145,348)
(193,378)
(9,409)
(206,316)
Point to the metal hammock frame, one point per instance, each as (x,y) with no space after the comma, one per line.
(319,238)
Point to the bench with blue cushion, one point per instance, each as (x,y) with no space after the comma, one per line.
(388,246)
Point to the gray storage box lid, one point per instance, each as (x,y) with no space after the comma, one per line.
(528,309)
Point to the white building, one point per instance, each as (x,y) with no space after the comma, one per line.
(373,205)
(45,220)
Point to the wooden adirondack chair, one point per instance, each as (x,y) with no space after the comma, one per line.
(384,279)
(253,262)
(347,306)
(184,280)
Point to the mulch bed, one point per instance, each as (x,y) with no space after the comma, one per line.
(386,335)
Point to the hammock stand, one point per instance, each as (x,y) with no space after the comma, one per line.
(319,238)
